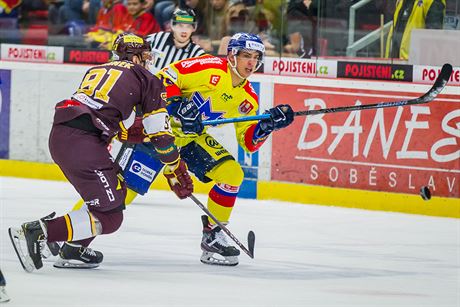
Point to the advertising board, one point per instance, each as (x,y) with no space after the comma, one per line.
(393,149)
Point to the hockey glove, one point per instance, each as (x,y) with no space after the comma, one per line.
(281,116)
(189,115)
(135,134)
(179,179)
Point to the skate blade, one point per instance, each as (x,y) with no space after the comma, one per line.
(208,258)
(73,264)
(17,236)
(3,296)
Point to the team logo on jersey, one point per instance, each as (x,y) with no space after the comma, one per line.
(226,97)
(211,142)
(205,107)
(214,79)
(245,107)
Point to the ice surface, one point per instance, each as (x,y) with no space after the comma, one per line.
(305,255)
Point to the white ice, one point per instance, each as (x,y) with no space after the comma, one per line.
(306,255)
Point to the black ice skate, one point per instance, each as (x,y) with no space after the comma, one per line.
(31,235)
(214,242)
(49,248)
(75,256)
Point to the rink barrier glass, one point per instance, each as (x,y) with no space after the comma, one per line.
(327,29)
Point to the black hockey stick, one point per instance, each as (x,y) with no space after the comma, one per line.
(251,236)
(429,96)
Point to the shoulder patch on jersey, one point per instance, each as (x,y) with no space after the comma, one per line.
(201,63)
(245,107)
(214,79)
(250,90)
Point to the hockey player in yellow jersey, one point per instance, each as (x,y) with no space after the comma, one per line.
(209,87)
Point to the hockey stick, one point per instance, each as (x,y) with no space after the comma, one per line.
(251,236)
(429,96)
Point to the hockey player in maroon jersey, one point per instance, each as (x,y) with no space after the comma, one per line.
(105,102)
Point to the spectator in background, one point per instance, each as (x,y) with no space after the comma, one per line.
(237,19)
(301,28)
(409,15)
(9,13)
(215,19)
(241,18)
(138,20)
(163,11)
(199,7)
(110,22)
(91,9)
(75,15)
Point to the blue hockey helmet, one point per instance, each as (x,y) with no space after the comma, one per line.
(246,41)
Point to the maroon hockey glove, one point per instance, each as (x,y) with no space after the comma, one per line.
(135,134)
(179,179)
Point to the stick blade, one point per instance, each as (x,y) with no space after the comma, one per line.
(438,86)
(446,72)
(251,243)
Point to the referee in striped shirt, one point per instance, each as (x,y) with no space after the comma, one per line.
(169,47)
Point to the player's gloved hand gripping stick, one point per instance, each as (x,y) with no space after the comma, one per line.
(188,114)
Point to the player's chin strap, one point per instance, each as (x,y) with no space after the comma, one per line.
(233,67)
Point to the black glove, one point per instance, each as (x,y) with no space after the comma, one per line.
(281,116)
(189,115)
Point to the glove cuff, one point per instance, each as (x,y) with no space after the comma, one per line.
(262,130)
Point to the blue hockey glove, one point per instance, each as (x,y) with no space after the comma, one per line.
(281,116)
(189,115)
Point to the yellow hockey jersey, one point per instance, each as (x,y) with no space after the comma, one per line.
(207,81)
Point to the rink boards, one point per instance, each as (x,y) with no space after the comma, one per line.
(374,159)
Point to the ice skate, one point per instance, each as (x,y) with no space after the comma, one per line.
(49,248)
(216,249)
(27,242)
(75,256)
(3,295)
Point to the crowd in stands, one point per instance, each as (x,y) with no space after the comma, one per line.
(287,27)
